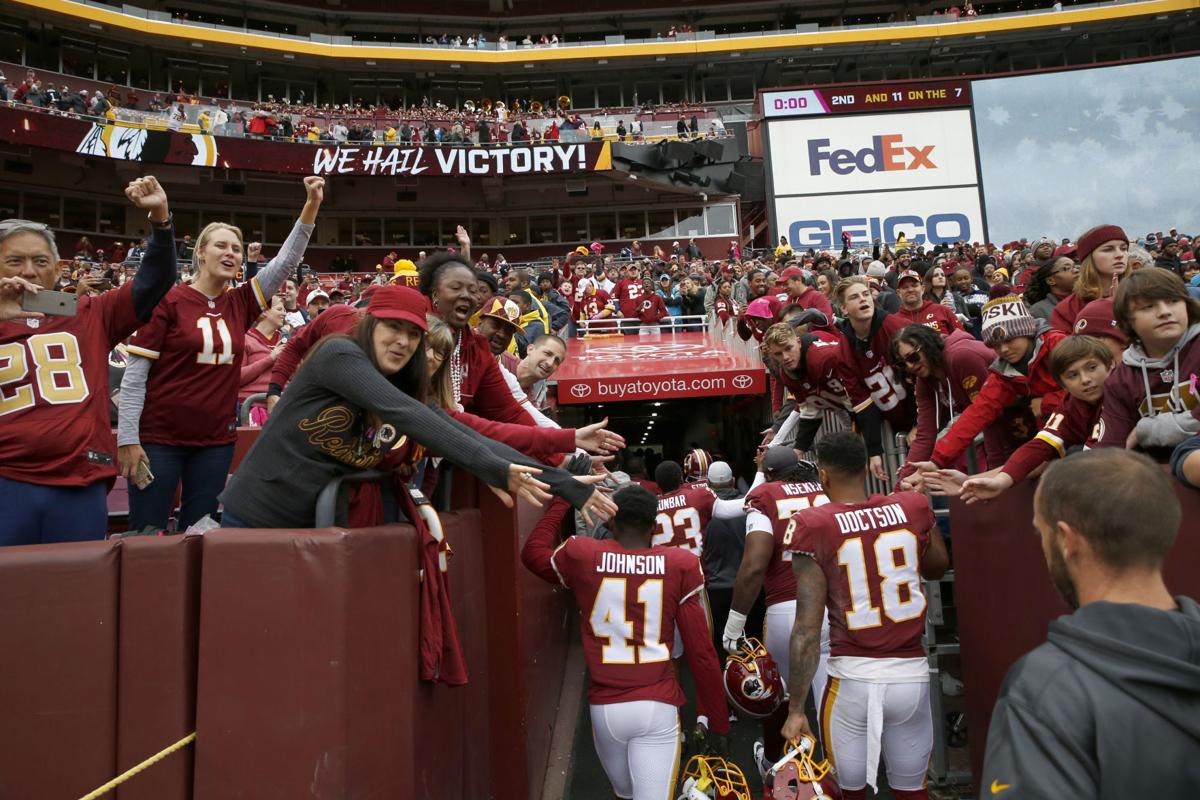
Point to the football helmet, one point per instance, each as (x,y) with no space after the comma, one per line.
(696,464)
(752,680)
(713,778)
(797,776)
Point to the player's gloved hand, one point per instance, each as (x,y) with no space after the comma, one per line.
(735,627)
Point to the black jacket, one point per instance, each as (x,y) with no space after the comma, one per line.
(1108,708)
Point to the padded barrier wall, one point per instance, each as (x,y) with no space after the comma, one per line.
(1005,598)
(58,668)
(292,653)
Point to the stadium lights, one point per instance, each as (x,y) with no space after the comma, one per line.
(654,413)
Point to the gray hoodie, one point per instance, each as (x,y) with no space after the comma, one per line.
(1157,395)
(1108,708)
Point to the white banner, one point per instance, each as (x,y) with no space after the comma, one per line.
(825,155)
(924,216)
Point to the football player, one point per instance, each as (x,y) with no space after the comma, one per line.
(57,451)
(791,485)
(864,557)
(631,598)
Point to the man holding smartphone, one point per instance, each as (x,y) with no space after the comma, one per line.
(57,451)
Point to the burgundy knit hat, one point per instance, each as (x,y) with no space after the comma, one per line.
(1096,319)
(1096,237)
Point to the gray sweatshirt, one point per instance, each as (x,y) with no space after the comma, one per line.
(1108,707)
(319,431)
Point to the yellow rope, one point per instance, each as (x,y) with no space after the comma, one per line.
(149,762)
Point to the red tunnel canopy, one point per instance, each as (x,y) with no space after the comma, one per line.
(656,367)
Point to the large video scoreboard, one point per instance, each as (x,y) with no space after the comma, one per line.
(873,161)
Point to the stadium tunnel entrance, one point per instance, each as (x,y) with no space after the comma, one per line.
(667,393)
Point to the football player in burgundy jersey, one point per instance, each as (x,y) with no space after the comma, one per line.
(631,598)
(685,509)
(57,452)
(791,485)
(863,558)
(178,412)
(867,334)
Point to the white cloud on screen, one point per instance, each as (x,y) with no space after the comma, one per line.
(1062,152)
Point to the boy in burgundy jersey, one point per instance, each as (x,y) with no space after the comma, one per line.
(867,334)
(631,597)
(790,486)
(863,558)
(811,367)
(57,451)
(1081,364)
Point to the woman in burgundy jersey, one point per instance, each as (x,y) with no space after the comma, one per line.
(178,417)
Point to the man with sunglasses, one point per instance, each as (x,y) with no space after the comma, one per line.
(56,444)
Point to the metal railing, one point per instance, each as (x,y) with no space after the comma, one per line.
(608,326)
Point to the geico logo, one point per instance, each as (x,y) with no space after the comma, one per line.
(934,229)
(886,153)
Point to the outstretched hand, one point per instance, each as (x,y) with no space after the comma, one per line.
(522,484)
(597,439)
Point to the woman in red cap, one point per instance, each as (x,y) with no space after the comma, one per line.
(1102,255)
(353,400)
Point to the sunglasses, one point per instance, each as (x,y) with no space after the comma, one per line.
(913,358)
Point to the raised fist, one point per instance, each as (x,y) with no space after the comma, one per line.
(315,186)
(148,194)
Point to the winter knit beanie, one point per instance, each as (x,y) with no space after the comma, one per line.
(1006,318)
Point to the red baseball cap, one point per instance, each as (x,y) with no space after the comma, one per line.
(400,302)
(1096,319)
(792,272)
(908,273)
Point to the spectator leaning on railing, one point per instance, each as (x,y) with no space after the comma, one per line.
(179,393)
(57,453)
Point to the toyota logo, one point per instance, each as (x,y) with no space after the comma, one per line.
(742,381)
(581,390)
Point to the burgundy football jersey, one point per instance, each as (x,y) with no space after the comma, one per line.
(871,363)
(827,382)
(590,306)
(627,292)
(870,553)
(627,601)
(778,501)
(196,345)
(683,517)
(54,393)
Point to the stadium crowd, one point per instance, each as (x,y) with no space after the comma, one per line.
(481,121)
(992,362)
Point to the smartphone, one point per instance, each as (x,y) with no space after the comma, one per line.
(58,304)
(143,477)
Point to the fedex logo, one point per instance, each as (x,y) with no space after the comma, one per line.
(934,229)
(886,153)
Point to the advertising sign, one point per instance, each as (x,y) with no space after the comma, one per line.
(131,142)
(889,151)
(924,216)
(656,368)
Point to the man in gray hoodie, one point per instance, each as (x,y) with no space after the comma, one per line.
(1109,707)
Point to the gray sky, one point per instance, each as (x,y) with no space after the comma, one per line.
(1065,151)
